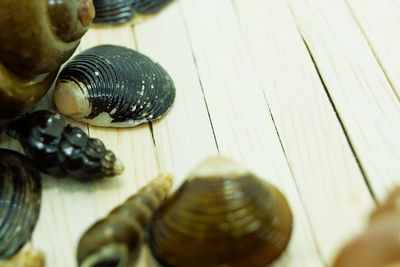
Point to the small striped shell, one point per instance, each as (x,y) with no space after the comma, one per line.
(20,197)
(116,240)
(120,11)
(222,215)
(29,258)
(113,86)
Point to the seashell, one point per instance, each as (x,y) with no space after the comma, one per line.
(116,240)
(113,11)
(120,11)
(30,258)
(20,196)
(378,245)
(34,45)
(149,6)
(223,215)
(113,86)
(59,149)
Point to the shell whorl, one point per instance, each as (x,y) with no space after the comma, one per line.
(118,237)
(222,215)
(36,39)
(59,149)
(113,86)
(20,198)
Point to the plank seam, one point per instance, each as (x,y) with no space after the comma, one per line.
(155,146)
(150,124)
(353,14)
(317,248)
(185,26)
(353,151)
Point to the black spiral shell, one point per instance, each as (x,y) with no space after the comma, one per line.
(116,240)
(59,149)
(20,197)
(120,11)
(115,86)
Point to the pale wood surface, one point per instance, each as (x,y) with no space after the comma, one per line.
(302,92)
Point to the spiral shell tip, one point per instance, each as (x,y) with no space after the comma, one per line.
(118,167)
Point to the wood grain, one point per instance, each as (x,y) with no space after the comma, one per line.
(247,75)
(357,85)
(380,22)
(328,177)
(239,112)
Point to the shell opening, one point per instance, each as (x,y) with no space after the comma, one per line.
(71,99)
(113,255)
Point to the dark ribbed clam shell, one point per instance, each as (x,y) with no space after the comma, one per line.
(120,11)
(222,215)
(112,11)
(149,6)
(116,240)
(59,149)
(20,195)
(113,86)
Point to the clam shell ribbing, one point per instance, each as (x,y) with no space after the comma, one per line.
(120,11)
(123,87)
(20,197)
(221,221)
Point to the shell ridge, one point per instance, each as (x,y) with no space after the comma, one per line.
(128,88)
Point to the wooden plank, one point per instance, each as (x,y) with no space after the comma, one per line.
(134,146)
(380,23)
(243,126)
(359,89)
(328,177)
(184,137)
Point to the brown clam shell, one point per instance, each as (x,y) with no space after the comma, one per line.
(116,240)
(37,37)
(378,245)
(222,215)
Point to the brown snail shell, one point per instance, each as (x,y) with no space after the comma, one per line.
(37,37)
(223,215)
(20,197)
(30,258)
(116,240)
(378,245)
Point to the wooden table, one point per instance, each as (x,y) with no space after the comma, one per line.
(304,93)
